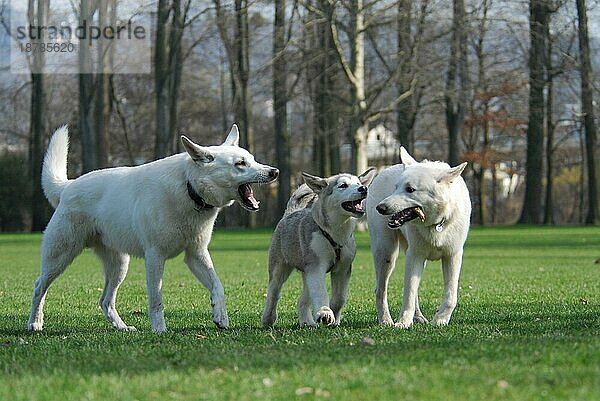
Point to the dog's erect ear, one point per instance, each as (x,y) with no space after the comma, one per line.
(196,152)
(407,159)
(366,177)
(233,138)
(452,173)
(317,184)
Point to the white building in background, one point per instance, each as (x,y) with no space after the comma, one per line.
(383,149)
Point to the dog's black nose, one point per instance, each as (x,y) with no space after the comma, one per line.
(273,173)
(362,189)
(381,208)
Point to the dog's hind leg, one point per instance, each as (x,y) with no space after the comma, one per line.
(451,270)
(201,265)
(305,315)
(61,244)
(115,266)
(340,279)
(279,272)
(385,248)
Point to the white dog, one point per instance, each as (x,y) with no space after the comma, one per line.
(316,236)
(425,208)
(154,211)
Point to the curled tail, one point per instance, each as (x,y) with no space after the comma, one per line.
(302,198)
(54,170)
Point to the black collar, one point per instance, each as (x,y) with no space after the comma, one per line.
(200,203)
(336,247)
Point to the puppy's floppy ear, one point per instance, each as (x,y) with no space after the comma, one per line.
(366,177)
(196,152)
(317,184)
(407,159)
(233,138)
(452,173)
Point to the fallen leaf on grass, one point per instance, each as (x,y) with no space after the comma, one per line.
(304,391)
(367,341)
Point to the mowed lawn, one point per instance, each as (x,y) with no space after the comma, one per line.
(527,328)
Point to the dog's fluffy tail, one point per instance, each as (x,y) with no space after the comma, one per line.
(54,170)
(302,198)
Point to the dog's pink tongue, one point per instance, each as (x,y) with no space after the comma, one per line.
(249,195)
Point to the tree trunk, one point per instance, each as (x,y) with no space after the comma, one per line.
(167,74)
(456,81)
(87,98)
(406,112)
(359,128)
(280,99)
(538,20)
(39,215)
(587,103)
(548,204)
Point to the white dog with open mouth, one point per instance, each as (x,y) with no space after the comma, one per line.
(155,211)
(425,208)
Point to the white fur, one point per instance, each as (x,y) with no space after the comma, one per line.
(144,211)
(443,196)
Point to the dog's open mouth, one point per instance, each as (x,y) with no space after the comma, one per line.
(406,215)
(247,197)
(354,206)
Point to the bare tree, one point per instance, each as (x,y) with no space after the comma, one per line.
(457,80)
(410,37)
(280,99)
(237,47)
(538,21)
(167,72)
(37,14)
(587,103)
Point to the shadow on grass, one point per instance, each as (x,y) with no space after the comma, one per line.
(89,349)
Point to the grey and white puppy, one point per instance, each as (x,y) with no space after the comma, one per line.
(316,236)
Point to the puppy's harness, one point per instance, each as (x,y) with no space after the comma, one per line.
(198,200)
(337,248)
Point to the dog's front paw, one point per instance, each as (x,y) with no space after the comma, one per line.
(404,321)
(419,318)
(129,329)
(221,319)
(35,326)
(440,320)
(386,321)
(325,316)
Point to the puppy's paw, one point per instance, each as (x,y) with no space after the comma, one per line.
(308,324)
(325,316)
(35,326)
(220,316)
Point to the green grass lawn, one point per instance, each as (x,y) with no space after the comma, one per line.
(527,328)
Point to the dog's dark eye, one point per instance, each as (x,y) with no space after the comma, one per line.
(410,189)
(343,186)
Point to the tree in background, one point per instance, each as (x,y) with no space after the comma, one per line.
(168,64)
(280,100)
(410,37)
(587,106)
(37,15)
(538,21)
(237,47)
(94,87)
(457,80)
